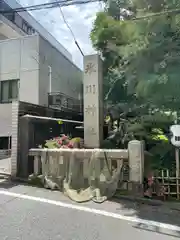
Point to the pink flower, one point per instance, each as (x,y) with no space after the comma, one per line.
(64,137)
(59,142)
(70,145)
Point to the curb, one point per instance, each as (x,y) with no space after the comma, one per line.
(141,200)
(150,202)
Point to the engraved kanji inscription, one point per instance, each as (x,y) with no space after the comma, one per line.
(90,89)
(91,131)
(90,68)
(91,109)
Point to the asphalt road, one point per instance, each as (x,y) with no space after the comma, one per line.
(28,213)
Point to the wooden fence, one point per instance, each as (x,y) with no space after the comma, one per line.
(170,183)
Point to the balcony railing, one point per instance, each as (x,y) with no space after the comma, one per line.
(58,100)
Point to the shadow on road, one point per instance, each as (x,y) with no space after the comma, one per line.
(156,214)
(7,183)
(157,230)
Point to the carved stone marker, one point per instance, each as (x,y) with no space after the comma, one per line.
(136,160)
(93,101)
(136,165)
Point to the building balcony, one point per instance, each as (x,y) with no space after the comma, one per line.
(63,102)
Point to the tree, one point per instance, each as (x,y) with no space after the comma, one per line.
(140,57)
(141,65)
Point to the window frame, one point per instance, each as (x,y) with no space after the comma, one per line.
(10,98)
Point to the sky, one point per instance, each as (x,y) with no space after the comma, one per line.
(79,17)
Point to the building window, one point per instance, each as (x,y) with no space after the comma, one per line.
(30,31)
(25,27)
(9,90)
(14,17)
(5,7)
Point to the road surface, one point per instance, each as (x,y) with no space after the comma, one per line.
(28,213)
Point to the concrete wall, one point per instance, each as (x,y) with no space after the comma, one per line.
(19,60)
(39,28)
(27,58)
(9,29)
(2,37)
(5,119)
(66,77)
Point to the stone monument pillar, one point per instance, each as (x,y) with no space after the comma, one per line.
(93,101)
(136,165)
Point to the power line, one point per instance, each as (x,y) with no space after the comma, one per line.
(64,3)
(168,12)
(68,26)
(56,4)
(51,5)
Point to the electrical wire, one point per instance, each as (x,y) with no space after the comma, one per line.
(42,6)
(55,4)
(64,3)
(68,26)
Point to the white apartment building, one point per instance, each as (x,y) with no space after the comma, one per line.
(32,64)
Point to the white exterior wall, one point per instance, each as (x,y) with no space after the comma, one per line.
(39,28)
(66,77)
(2,37)
(9,29)
(5,119)
(19,60)
(27,58)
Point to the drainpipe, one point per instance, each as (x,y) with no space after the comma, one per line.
(50,79)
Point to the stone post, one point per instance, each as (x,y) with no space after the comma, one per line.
(25,166)
(93,101)
(136,166)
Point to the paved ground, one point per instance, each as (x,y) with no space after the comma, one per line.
(28,213)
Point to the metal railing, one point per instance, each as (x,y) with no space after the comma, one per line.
(58,100)
(5,153)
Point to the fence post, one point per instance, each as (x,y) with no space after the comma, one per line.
(136,165)
(37,165)
(25,166)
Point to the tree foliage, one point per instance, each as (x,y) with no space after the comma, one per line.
(141,64)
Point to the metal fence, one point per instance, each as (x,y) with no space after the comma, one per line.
(61,101)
